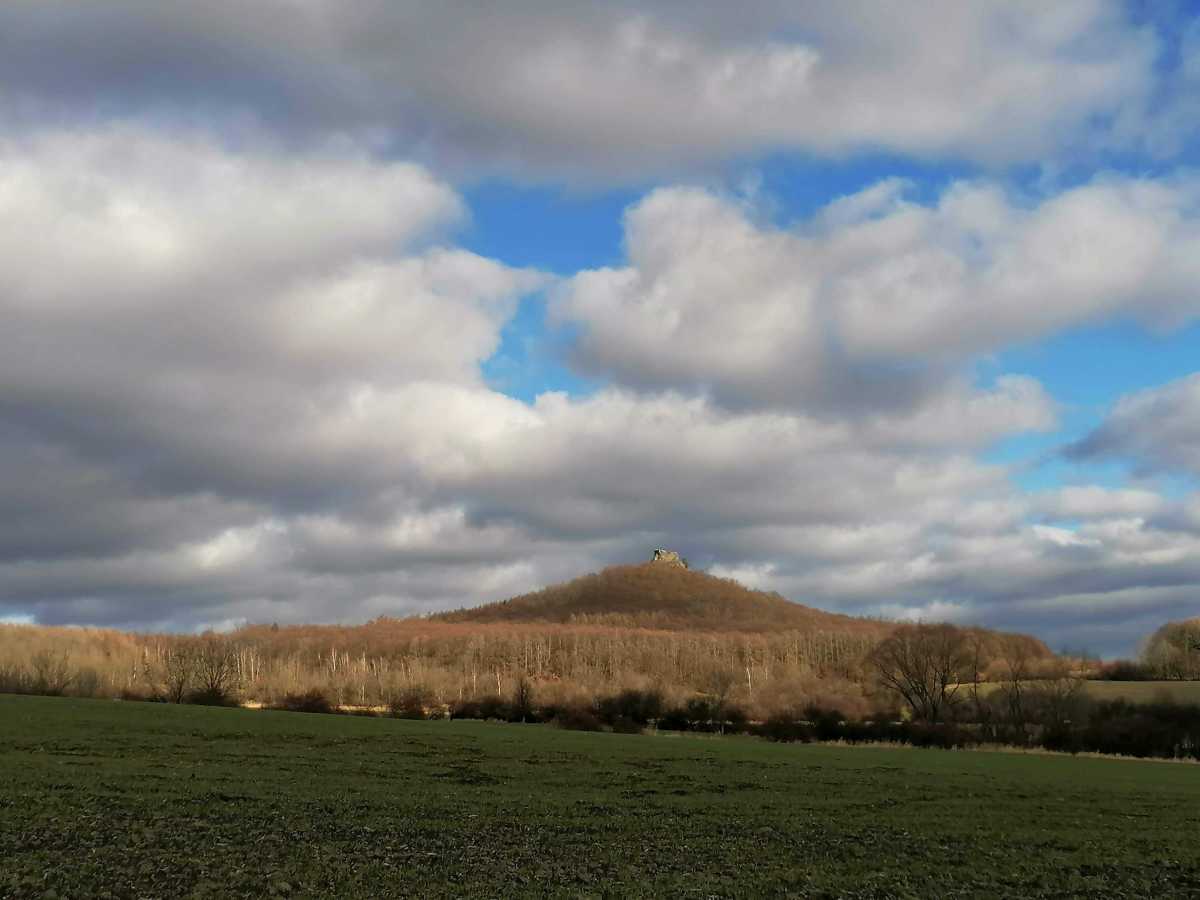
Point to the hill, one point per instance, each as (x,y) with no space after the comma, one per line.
(626,626)
(661,596)
(668,598)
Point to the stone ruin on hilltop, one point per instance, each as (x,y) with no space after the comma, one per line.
(670,557)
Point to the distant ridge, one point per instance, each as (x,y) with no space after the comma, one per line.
(658,595)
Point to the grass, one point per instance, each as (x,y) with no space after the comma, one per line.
(102,798)
(1145,691)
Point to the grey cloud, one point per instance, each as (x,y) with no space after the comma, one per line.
(808,510)
(249,388)
(204,344)
(55,503)
(229,323)
(1157,429)
(617,90)
(1105,596)
(525,495)
(1094,501)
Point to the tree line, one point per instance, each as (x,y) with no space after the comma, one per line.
(1172,653)
(918,683)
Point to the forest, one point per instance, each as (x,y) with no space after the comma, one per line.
(626,648)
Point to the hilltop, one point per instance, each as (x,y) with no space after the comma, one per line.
(671,598)
(661,596)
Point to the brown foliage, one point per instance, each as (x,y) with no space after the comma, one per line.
(682,633)
(925,664)
(76,661)
(656,596)
(1173,651)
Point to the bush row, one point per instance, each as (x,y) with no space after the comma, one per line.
(1162,729)
(627,712)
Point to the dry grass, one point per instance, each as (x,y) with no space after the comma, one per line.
(1145,691)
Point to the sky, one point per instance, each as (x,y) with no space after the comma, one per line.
(316,312)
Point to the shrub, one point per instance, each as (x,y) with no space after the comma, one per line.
(409,704)
(944,736)
(784,727)
(495,708)
(1125,670)
(827,723)
(1163,729)
(735,720)
(465,709)
(700,714)
(485,708)
(622,725)
(211,696)
(310,701)
(1063,739)
(674,719)
(639,707)
(577,718)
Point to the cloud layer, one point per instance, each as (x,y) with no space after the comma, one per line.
(238,386)
(241,368)
(608,91)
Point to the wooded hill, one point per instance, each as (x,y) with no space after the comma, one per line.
(681,631)
(662,596)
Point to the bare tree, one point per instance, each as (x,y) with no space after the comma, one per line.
(982,706)
(718,684)
(1058,696)
(925,665)
(171,670)
(1014,687)
(52,672)
(523,699)
(216,666)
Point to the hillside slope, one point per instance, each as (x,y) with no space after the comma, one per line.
(655,595)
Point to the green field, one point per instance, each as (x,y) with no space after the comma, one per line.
(1145,691)
(103,798)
